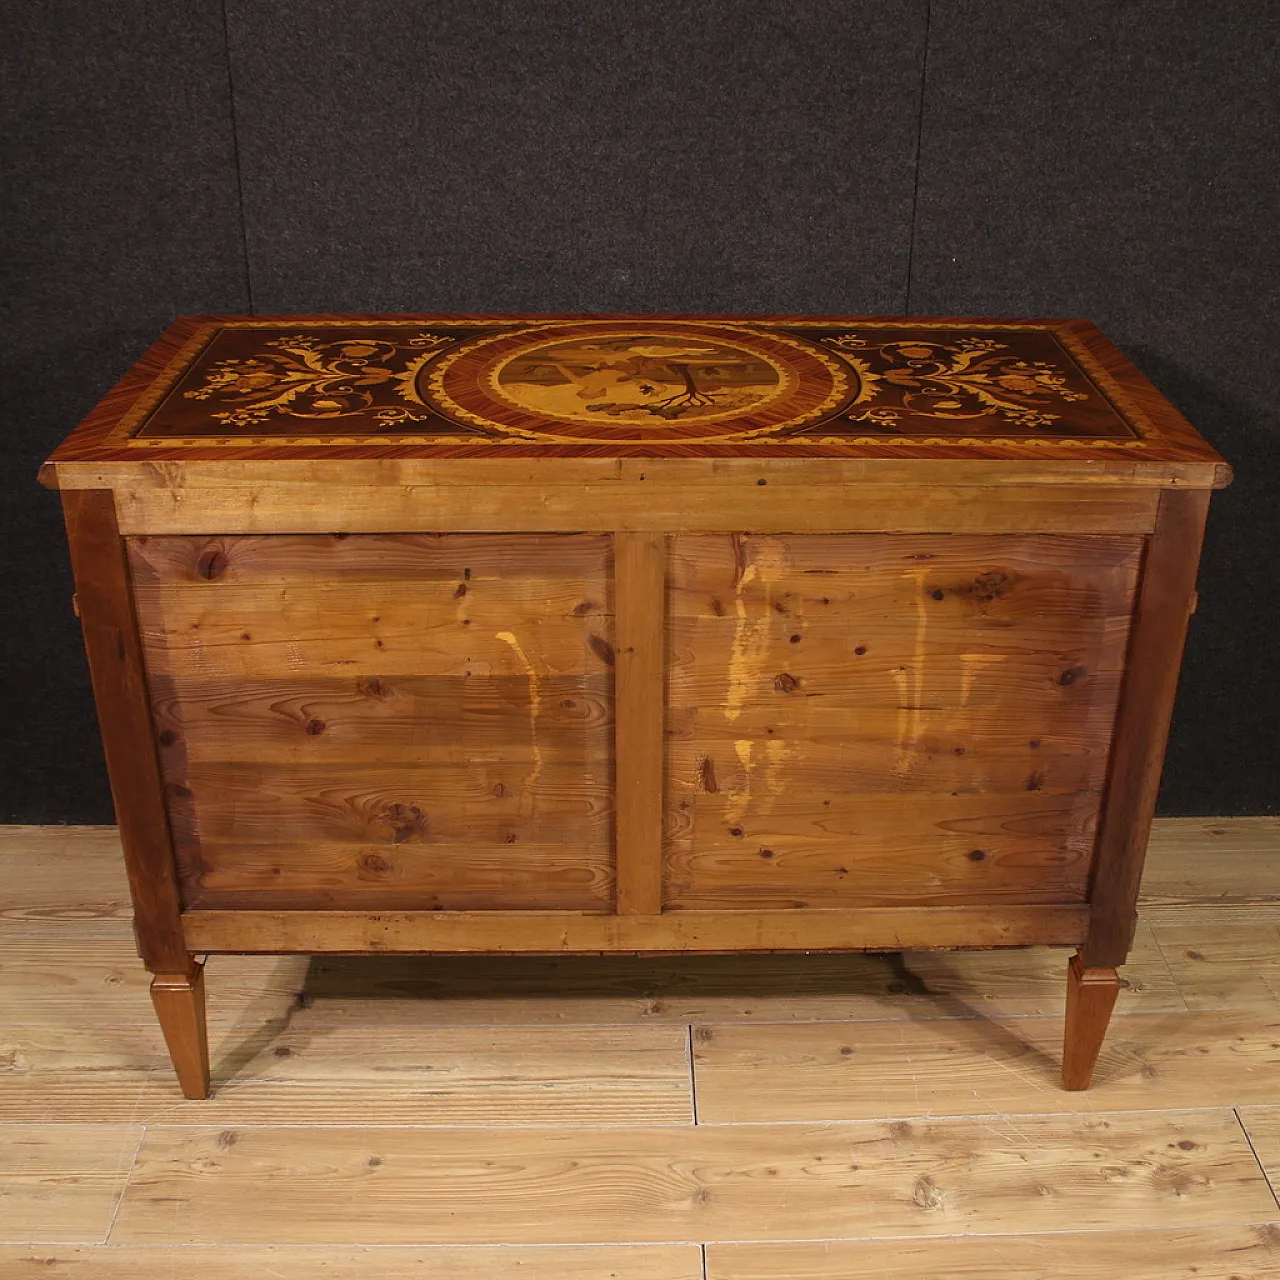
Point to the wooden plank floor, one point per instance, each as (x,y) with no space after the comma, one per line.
(760,1118)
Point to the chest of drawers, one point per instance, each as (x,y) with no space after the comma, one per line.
(584,634)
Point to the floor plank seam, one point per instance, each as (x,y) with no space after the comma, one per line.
(713,1241)
(124,1185)
(1173,977)
(397,1126)
(1262,1168)
(693,1076)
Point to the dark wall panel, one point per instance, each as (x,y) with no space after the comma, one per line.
(119,210)
(1105,158)
(573,155)
(1118,161)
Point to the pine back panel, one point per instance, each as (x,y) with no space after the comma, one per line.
(399,721)
(880,719)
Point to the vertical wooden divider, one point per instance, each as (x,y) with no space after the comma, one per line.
(639,569)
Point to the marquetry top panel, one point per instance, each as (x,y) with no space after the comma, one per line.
(435,387)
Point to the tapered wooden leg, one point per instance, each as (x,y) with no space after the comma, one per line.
(179,1002)
(1091,995)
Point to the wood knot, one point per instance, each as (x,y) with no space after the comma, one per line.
(374,864)
(786,683)
(707,775)
(313,728)
(601,648)
(926,1194)
(407,822)
(1070,676)
(988,587)
(212,563)
(372,687)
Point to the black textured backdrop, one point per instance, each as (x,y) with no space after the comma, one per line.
(1102,158)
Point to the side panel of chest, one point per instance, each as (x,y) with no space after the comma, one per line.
(403,721)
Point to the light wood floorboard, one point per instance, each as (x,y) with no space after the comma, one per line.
(433,1109)
(310,1262)
(413,1076)
(1224,966)
(62,1183)
(1262,1124)
(738,1182)
(839,1071)
(1222,1253)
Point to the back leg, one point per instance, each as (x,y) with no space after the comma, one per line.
(1091,995)
(179,1004)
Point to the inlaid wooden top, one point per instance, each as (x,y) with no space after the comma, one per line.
(234,388)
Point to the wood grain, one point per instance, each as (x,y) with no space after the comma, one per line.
(1212,871)
(393,804)
(430,562)
(404,721)
(52,877)
(318,1067)
(210,471)
(552,508)
(95,981)
(458,875)
(334,720)
(780,798)
(1262,1124)
(1206,1253)
(304,1262)
(1223,966)
(709,1183)
(62,1183)
(875,929)
(992,1064)
(818,578)
(640,584)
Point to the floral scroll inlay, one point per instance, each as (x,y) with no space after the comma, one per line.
(302,377)
(968,378)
